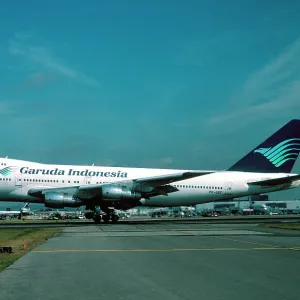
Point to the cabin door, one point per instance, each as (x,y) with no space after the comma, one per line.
(228,188)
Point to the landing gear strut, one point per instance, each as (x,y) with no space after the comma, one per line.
(95,213)
(110,215)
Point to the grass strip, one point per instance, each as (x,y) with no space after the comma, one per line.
(22,241)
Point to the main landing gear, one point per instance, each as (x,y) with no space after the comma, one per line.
(110,215)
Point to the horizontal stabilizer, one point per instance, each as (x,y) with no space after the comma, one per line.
(276,181)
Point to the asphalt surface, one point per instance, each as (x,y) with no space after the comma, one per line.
(159,261)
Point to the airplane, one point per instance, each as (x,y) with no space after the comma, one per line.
(25,210)
(259,208)
(265,169)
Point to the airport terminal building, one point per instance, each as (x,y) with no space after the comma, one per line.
(244,204)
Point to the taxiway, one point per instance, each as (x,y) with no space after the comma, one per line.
(178,260)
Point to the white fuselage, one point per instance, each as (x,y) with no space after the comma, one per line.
(220,185)
(9,212)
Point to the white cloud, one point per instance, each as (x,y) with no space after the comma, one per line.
(37,79)
(23,45)
(271,91)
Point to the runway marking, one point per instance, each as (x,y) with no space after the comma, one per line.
(248,242)
(159,250)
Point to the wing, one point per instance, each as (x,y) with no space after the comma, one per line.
(149,187)
(276,181)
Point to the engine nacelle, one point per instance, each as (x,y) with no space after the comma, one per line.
(61,200)
(115,192)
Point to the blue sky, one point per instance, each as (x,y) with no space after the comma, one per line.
(170,84)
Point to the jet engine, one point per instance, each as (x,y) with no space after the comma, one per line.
(61,200)
(115,192)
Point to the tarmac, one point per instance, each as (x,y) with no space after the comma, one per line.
(170,261)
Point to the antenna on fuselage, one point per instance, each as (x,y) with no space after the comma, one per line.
(93,164)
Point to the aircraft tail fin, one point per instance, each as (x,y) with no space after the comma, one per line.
(277,154)
(25,207)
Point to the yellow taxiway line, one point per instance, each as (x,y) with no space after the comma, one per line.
(160,250)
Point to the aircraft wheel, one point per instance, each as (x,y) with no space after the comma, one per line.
(97,219)
(106,219)
(115,219)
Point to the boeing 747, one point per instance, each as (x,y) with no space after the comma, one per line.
(265,169)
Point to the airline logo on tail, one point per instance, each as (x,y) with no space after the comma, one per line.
(7,171)
(281,153)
